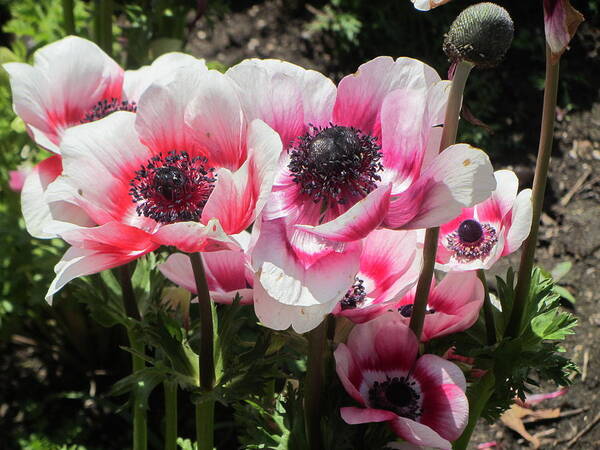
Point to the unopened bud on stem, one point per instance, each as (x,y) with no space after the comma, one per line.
(481,35)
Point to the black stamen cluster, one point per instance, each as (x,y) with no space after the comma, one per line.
(407,310)
(355,295)
(337,165)
(397,394)
(105,107)
(172,188)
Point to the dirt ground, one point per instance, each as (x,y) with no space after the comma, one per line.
(571,223)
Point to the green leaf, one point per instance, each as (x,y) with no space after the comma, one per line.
(560,270)
(553,324)
(564,293)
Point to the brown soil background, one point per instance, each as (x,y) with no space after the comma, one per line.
(571,223)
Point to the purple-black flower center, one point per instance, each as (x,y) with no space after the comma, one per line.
(105,107)
(472,240)
(399,395)
(172,188)
(355,295)
(336,164)
(407,310)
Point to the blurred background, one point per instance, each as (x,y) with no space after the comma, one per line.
(56,364)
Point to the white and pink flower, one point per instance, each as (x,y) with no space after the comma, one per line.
(364,154)
(561,21)
(490,230)
(228,272)
(453,305)
(390,264)
(186,170)
(422,398)
(426,5)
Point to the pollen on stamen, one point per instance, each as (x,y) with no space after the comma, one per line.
(172,188)
(472,240)
(398,394)
(355,296)
(335,164)
(105,107)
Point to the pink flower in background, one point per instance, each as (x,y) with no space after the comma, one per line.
(390,264)
(494,228)
(426,5)
(72,81)
(560,24)
(187,170)
(422,398)
(228,272)
(363,154)
(16,178)
(298,288)
(453,305)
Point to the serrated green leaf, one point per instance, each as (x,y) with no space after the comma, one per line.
(553,325)
(564,293)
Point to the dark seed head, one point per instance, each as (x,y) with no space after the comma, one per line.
(397,394)
(406,310)
(105,107)
(470,231)
(481,34)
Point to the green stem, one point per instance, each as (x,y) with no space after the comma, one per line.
(431,235)
(204,410)
(103,24)
(488,313)
(317,345)
(478,395)
(537,197)
(140,437)
(68,17)
(170,388)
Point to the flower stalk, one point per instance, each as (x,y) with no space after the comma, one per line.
(488,314)
(68,17)
(317,346)
(170,389)
(103,25)
(205,409)
(463,68)
(537,198)
(140,433)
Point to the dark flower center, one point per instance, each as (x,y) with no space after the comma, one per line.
(336,165)
(355,295)
(399,395)
(472,240)
(173,188)
(407,310)
(105,107)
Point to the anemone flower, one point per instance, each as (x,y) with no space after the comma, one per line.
(295,288)
(364,154)
(453,305)
(187,170)
(422,398)
(228,272)
(426,5)
(72,81)
(390,264)
(483,234)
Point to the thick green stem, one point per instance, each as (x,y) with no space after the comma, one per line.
(103,24)
(317,345)
(170,388)
(478,395)
(488,314)
(205,410)
(537,197)
(68,17)
(431,235)
(140,437)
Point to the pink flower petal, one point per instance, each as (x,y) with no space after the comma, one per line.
(348,372)
(445,410)
(495,208)
(195,237)
(433,371)
(110,237)
(561,21)
(461,176)
(239,197)
(16,178)
(426,5)
(358,221)
(418,434)
(520,226)
(354,416)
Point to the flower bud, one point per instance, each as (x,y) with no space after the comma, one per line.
(481,35)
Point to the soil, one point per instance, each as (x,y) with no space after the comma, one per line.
(570,226)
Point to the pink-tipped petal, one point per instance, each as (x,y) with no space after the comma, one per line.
(358,221)
(109,237)
(433,371)
(461,176)
(16,178)
(419,434)
(426,5)
(178,269)
(239,197)
(495,208)
(348,372)
(446,410)
(521,219)
(355,416)
(561,21)
(195,237)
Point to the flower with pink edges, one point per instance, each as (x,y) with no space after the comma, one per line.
(390,263)
(228,272)
(490,230)
(72,81)
(453,305)
(421,398)
(298,289)
(363,154)
(561,21)
(16,178)
(186,170)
